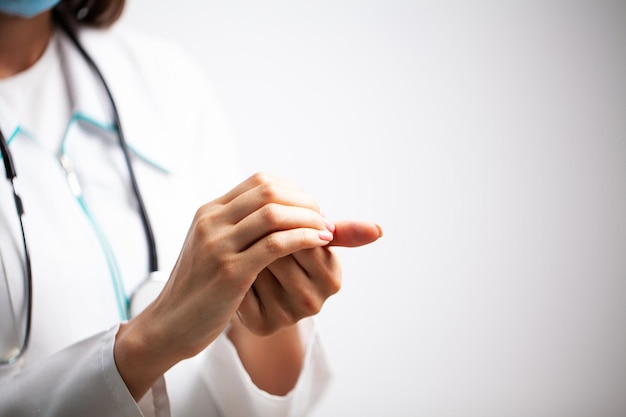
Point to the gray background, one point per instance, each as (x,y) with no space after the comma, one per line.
(489,140)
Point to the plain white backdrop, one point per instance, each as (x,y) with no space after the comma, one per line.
(488,138)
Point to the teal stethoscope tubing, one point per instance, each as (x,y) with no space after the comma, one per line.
(152,259)
(11,175)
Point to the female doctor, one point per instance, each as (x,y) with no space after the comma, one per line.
(127,287)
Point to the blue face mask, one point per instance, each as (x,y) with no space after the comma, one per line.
(26,8)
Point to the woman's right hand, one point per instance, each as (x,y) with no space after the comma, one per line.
(230,241)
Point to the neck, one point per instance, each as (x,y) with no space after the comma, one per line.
(22,41)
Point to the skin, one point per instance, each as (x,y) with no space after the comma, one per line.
(258,258)
(22,42)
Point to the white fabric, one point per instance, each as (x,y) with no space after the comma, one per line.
(295,403)
(184,156)
(31,94)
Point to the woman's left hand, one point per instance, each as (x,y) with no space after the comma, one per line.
(296,286)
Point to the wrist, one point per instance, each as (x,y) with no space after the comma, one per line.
(139,356)
(273,362)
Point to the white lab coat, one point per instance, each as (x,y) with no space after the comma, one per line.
(183,156)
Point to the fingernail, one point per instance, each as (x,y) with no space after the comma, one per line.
(325,235)
(330,225)
(380,230)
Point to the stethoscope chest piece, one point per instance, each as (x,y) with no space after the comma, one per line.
(147,292)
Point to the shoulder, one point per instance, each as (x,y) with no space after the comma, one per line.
(157,61)
(155,80)
(161,92)
(122,40)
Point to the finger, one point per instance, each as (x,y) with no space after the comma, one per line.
(277,192)
(287,293)
(273,218)
(322,268)
(251,182)
(247,184)
(262,309)
(303,293)
(250,310)
(350,233)
(288,272)
(279,244)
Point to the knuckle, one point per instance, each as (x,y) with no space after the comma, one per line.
(201,223)
(311,304)
(260,178)
(334,284)
(304,236)
(229,267)
(270,213)
(204,222)
(331,278)
(269,191)
(205,237)
(334,280)
(274,243)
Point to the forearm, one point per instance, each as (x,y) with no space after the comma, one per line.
(273,362)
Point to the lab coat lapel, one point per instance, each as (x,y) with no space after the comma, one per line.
(9,124)
(88,95)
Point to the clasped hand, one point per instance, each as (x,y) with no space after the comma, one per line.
(261,252)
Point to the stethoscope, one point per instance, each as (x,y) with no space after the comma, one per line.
(153,284)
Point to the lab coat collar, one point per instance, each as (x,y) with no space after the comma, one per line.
(89,99)
(9,124)
(87,93)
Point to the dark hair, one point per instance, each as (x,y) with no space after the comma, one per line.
(94,13)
